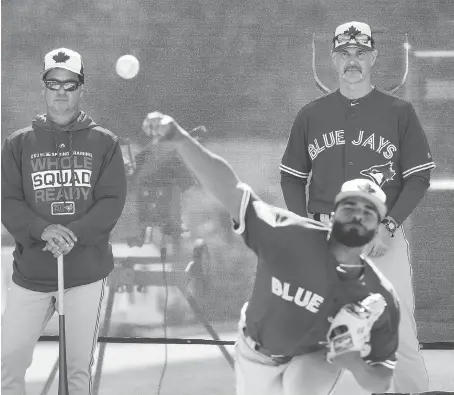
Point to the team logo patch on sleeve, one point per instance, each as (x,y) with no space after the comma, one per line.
(63,208)
(380,174)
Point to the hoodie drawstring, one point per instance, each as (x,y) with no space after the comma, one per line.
(60,158)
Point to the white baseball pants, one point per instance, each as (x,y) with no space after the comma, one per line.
(26,315)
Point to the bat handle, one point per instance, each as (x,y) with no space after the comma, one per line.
(61,285)
(63,372)
(62,366)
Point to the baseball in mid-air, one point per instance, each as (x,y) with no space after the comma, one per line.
(127,66)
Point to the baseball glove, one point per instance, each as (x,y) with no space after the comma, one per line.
(350,328)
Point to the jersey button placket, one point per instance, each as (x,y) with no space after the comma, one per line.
(349,136)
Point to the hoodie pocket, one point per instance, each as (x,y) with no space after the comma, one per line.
(36,265)
(83,263)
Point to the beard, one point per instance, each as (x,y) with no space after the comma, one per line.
(350,237)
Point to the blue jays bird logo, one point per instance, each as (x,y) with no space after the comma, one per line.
(380,173)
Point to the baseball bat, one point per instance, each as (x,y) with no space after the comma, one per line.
(63,373)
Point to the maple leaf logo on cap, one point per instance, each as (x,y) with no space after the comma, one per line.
(61,57)
(353,31)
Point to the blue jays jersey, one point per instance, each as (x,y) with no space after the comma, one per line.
(298,286)
(378,137)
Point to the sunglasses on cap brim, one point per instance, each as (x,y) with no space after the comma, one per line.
(359,38)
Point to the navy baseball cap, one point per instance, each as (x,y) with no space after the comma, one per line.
(64,58)
(365,189)
(353,34)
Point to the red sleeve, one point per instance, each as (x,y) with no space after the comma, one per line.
(296,160)
(415,151)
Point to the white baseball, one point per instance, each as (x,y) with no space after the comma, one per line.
(127,66)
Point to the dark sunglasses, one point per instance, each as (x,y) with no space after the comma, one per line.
(344,38)
(68,86)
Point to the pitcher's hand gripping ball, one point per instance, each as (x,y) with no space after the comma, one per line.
(160,127)
(350,328)
(163,128)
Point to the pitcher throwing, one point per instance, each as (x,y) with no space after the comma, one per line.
(318,306)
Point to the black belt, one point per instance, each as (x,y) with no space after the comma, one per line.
(278,359)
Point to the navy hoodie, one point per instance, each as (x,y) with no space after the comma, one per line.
(73,176)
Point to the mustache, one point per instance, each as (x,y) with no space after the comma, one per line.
(355,222)
(352,67)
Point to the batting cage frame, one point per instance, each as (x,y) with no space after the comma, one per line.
(126,277)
